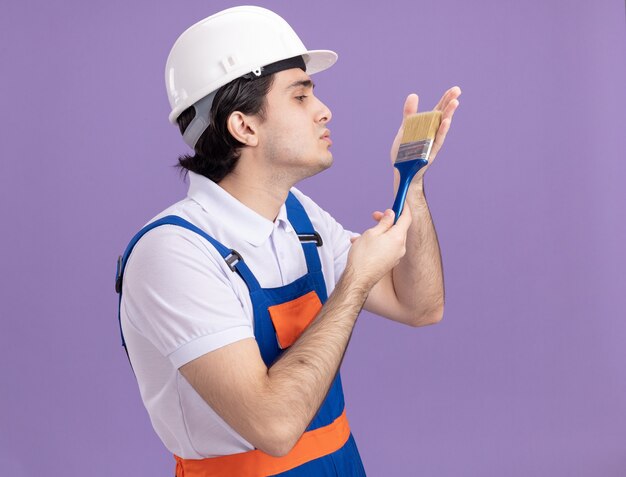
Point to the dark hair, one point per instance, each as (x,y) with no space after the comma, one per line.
(217,151)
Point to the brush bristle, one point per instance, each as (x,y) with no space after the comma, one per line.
(420,126)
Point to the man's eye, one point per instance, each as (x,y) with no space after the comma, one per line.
(301,98)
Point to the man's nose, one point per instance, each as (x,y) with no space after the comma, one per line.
(324,114)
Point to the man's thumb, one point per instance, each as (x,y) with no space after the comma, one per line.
(385,222)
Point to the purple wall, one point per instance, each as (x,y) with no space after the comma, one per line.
(524,376)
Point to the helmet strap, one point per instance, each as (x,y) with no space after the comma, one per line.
(200,121)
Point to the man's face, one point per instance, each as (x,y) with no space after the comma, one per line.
(294,137)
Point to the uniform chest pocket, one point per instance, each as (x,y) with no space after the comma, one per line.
(291,318)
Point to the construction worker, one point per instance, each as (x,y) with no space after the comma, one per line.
(237,303)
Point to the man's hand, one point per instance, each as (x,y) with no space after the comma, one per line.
(447,105)
(379,249)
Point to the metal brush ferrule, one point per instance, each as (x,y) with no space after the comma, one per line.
(414,150)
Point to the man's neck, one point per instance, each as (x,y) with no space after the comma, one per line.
(262,196)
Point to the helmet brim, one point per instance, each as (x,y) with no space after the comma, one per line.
(319,60)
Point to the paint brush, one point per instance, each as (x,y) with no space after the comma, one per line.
(419,134)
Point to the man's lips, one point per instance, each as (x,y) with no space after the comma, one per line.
(326,137)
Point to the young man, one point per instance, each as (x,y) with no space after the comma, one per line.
(239,301)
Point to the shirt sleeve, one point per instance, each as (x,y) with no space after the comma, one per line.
(178,296)
(340,238)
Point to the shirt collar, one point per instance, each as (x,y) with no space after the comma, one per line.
(232,214)
(282,220)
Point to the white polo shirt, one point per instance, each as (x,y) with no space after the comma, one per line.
(180,301)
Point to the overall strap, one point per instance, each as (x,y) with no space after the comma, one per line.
(309,238)
(232,258)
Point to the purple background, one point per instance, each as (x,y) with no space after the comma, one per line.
(525,374)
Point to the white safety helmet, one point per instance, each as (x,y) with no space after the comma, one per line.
(225,46)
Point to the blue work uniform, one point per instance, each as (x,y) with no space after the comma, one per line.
(327,447)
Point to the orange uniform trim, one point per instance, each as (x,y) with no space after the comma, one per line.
(255,463)
(291,318)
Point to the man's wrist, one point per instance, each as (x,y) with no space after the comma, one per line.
(356,287)
(416,194)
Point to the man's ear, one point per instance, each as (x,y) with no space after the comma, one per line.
(243,128)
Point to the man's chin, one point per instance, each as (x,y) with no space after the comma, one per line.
(328,161)
(324,164)
(320,166)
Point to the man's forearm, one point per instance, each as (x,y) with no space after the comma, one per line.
(301,378)
(418,278)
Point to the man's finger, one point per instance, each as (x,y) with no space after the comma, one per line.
(452,93)
(410,105)
(377,215)
(450,108)
(440,138)
(444,127)
(385,222)
(443,100)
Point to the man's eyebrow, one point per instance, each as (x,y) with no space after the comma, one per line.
(305,83)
